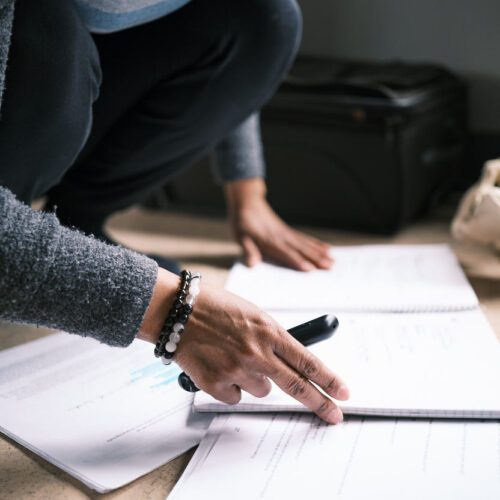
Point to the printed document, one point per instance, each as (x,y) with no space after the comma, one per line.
(391,278)
(420,365)
(297,457)
(104,415)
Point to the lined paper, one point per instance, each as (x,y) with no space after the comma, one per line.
(377,278)
(296,456)
(428,365)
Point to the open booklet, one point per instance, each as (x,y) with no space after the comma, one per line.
(390,278)
(104,415)
(418,365)
(296,456)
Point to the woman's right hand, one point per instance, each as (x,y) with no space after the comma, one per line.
(230,345)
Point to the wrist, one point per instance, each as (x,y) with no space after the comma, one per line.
(244,193)
(161,300)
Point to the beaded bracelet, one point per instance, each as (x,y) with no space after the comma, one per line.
(178,316)
(172,315)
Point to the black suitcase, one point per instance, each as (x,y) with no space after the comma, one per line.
(357,146)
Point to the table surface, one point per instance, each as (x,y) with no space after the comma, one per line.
(203,244)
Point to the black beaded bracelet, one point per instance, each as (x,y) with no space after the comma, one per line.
(172,315)
(178,316)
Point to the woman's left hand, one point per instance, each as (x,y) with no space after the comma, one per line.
(264,235)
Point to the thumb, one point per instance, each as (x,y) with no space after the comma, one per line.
(251,252)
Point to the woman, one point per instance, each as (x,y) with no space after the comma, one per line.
(95,122)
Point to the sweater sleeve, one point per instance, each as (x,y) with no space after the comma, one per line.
(59,278)
(6,17)
(240,155)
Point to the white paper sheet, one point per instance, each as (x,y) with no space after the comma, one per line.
(105,415)
(391,278)
(297,456)
(428,365)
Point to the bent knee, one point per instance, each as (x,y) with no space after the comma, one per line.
(284,24)
(262,31)
(270,36)
(276,27)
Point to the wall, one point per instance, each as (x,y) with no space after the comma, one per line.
(463,34)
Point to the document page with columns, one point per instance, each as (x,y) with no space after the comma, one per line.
(104,415)
(296,456)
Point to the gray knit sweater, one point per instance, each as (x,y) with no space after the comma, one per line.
(56,277)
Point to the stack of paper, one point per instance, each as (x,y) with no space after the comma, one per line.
(104,415)
(412,342)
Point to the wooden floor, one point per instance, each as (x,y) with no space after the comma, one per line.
(198,243)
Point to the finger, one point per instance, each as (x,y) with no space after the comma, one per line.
(227,393)
(302,390)
(320,245)
(309,366)
(251,252)
(315,250)
(289,256)
(230,395)
(325,247)
(311,250)
(257,385)
(311,253)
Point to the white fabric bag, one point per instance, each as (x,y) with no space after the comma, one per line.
(477,224)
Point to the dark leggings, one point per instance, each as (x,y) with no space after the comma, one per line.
(97,122)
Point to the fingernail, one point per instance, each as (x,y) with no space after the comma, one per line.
(306,266)
(343,392)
